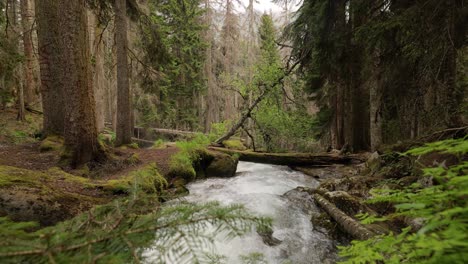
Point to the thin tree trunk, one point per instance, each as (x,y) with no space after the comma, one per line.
(13,35)
(375,104)
(20,86)
(29,84)
(453,96)
(243,118)
(124,126)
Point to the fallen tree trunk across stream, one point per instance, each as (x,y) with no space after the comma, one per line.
(291,159)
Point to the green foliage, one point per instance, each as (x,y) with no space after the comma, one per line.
(234,144)
(173,45)
(218,129)
(280,129)
(440,206)
(117,233)
(158,144)
(107,136)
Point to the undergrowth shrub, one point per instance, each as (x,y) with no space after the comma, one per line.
(441,206)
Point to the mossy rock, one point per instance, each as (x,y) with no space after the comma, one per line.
(51,143)
(234,144)
(222,165)
(44,197)
(147,179)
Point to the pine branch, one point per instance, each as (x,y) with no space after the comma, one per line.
(51,243)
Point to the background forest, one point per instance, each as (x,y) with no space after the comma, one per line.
(359,73)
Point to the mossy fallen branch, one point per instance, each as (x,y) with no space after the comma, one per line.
(350,225)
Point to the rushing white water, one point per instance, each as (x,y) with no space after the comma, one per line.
(260,188)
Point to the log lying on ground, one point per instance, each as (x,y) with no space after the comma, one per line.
(140,132)
(291,159)
(348,224)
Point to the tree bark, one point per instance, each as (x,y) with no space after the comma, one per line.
(29,84)
(48,14)
(375,104)
(124,126)
(99,79)
(80,131)
(13,35)
(454,98)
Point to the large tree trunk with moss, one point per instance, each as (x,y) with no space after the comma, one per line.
(48,25)
(124,125)
(80,131)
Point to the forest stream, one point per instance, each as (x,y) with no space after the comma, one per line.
(268,190)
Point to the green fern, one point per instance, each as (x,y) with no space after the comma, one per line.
(442,207)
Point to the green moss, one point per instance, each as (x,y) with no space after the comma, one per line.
(51,143)
(56,172)
(27,195)
(234,144)
(133,146)
(191,152)
(12,176)
(147,179)
(133,159)
(181,165)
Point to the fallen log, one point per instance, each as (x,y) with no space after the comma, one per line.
(142,142)
(171,134)
(348,224)
(291,159)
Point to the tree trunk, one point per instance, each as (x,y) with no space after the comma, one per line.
(291,159)
(29,84)
(80,131)
(454,97)
(375,103)
(124,126)
(13,35)
(48,14)
(20,84)
(99,79)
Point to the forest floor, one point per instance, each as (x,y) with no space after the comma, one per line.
(33,181)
